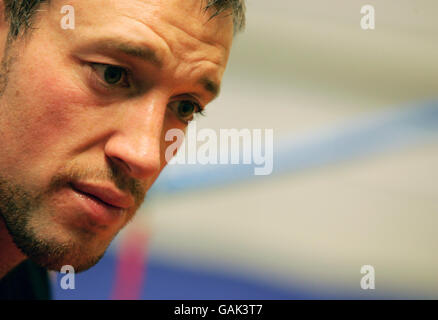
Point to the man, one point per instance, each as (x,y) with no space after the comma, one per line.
(83,115)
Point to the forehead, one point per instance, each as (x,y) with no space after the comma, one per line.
(181,28)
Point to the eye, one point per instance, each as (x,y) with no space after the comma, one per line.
(185,109)
(111,75)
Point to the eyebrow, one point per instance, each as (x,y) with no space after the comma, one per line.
(143,52)
(150,55)
(210,86)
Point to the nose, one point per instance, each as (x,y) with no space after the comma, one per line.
(135,146)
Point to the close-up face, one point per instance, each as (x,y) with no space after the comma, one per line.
(84,113)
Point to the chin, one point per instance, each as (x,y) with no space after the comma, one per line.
(54,261)
(79,250)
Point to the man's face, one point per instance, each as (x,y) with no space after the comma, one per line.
(85,111)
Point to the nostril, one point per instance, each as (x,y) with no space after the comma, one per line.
(119,162)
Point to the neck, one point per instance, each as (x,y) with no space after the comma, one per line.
(10,255)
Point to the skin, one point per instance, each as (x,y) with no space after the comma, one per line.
(59,120)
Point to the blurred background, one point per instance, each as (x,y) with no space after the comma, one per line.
(355,119)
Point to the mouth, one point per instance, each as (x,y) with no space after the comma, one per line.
(104,192)
(94,198)
(103,204)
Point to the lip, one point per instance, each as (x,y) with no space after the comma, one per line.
(106,193)
(103,205)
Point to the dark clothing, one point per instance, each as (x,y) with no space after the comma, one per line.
(27,281)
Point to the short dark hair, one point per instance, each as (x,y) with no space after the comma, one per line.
(19,13)
(237,8)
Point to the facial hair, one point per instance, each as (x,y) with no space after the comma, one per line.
(21,205)
(19,208)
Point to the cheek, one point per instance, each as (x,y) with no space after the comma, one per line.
(171,123)
(55,94)
(42,114)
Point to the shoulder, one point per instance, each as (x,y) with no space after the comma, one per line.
(27,281)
